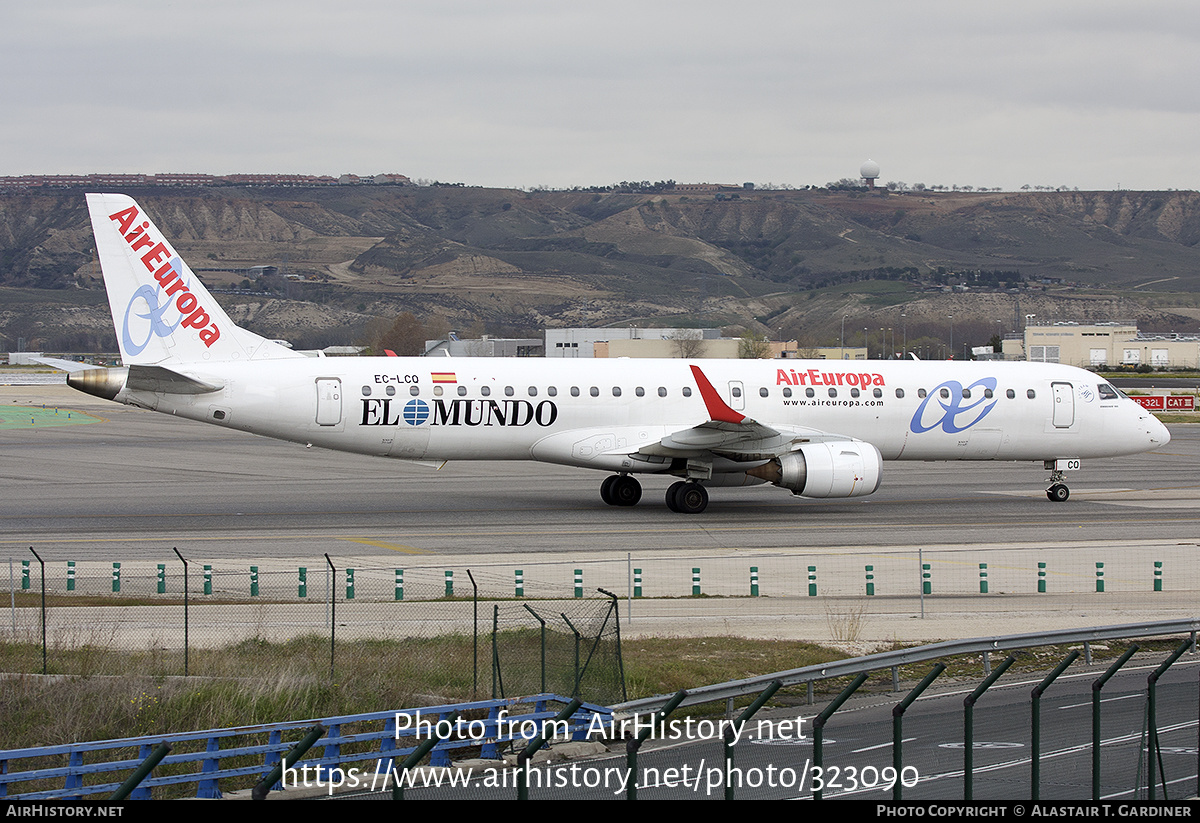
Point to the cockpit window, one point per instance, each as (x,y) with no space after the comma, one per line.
(1107,392)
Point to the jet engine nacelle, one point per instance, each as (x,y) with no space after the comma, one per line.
(840,468)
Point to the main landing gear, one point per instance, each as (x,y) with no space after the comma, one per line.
(687,498)
(620,490)
(684,497)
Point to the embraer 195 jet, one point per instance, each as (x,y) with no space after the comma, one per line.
(819,428)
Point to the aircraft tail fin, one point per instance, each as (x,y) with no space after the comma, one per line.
(161,310)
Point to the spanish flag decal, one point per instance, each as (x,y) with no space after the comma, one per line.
(443,377)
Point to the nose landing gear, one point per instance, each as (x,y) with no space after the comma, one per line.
(1058,491)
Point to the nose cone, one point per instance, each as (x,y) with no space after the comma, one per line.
(1159,436)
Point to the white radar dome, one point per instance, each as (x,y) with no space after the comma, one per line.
(869,170)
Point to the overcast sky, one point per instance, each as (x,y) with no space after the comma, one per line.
(1095,94)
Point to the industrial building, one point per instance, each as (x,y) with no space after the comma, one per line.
(1112,344)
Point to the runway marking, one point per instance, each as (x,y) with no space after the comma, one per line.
(395,547)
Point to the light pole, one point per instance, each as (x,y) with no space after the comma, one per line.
(844,316)
(904,317)
(951,316)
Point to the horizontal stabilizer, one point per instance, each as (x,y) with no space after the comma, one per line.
(62,365)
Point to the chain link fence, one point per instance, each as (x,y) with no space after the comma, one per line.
(434,627)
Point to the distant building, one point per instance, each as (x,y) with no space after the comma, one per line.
(581,342)
(699,349)
(485,347)
(1095,345)
(702,188)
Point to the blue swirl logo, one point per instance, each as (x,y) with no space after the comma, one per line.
(158,327)
(416,412)
(955,415)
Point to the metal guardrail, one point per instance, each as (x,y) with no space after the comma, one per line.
(497,730)
(904,657)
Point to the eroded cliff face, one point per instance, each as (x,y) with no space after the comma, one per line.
(551,258)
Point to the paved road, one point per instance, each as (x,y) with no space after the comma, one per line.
(857,747)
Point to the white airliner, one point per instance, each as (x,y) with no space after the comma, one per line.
(818,428)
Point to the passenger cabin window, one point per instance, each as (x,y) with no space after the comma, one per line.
(920,392)
(662,391)
(533,391)
(736,392)
(1031,394)
(366,391)
(877,392)
(594,392)
(574,391)
(945,394)
(687,391)
(639,391)
(833,392)
(1010,394)
(810,393)
(413,390)
(763,392)
(854,392)
(508,391)
(462,391)
(616,391)
(899,394)
(552,391)
(966,394)
(390,391)
(437,391)
(987,393)
(787,392)
(483,390)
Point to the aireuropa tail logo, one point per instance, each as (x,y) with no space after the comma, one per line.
(153,315)
(168,273)
(955,415)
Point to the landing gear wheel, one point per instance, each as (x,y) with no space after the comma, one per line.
(606,489)
(624,491)
(672,493)
(691,498)
(1058,492)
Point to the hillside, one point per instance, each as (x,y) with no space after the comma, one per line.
(522,260)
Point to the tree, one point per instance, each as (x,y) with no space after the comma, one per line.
(406,337)
(754,346)
(689,343)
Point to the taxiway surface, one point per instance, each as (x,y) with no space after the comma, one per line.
(141,479)
(135,484)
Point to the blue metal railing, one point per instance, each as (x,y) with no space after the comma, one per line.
(384,739)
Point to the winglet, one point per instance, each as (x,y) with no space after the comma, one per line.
(717,408)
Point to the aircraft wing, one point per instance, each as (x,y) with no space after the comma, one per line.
(729,433)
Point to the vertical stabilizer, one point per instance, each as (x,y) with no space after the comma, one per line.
(161,310)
